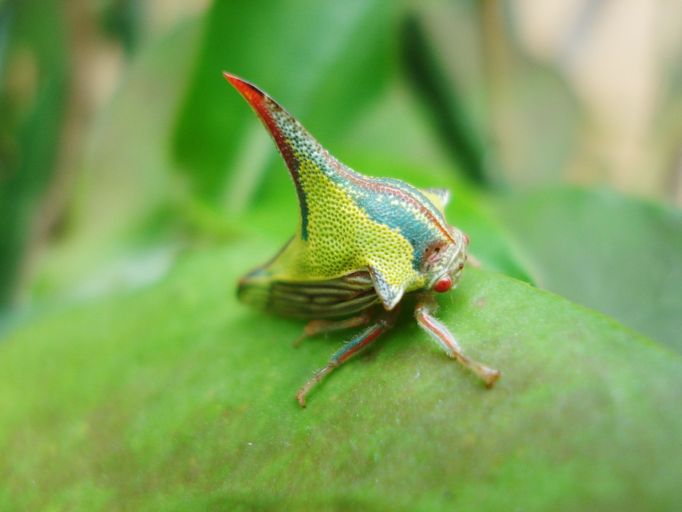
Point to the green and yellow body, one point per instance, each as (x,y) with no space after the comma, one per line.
(360,241)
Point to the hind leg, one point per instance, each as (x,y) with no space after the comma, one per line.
(348,350)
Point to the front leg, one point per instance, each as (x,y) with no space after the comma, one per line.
(426,307)
(385,321)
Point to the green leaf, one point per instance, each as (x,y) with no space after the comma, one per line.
(178,398)
(614,254)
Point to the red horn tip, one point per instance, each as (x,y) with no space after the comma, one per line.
(250,92)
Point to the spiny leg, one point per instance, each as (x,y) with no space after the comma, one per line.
(426,307)
(385,321)
(315,327)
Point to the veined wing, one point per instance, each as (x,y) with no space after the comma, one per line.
(334,298)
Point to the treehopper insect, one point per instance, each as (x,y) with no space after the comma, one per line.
(361,244)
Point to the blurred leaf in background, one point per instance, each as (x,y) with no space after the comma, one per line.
(508,119)
(346,77)
(123,19)
(33,89)
(611,253)
(121,202)
(452,115)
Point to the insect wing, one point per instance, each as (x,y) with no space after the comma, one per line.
(334,298)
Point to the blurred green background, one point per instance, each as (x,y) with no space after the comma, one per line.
(136,186)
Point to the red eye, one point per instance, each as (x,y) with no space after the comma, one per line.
(443,284)
(466,239)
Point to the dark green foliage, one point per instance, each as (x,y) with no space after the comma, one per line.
(33,67)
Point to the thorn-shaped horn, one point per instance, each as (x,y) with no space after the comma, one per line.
(293,141)
(273,116)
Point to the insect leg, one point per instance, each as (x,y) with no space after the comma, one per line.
(348,350)
(473,261)
(315,327)
(426,307)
